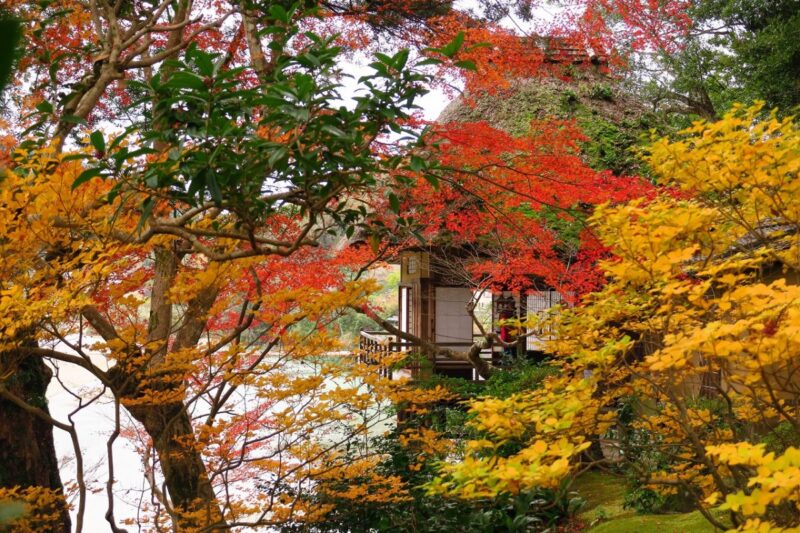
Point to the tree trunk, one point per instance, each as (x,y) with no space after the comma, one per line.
(153,394)
(185,475)
(27,451)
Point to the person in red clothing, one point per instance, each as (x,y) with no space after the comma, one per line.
(507,331)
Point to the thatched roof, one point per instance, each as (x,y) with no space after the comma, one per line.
(612,118)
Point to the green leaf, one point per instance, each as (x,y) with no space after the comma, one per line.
(98,142)
(213,186)
(204,62)
(400,59)
(333,130)
(45,107)
(452,48)
(433,180)
(75,157)
(137,153)
(147,209)
(196,185)
(270,30)
(385,59)
(394,202)
(185,80)
(277,155)
(309,59)
(429,61)
(53,70)
(417,163)
(278,13)
(112,194)
(467,64)
(85,176)
(379,67)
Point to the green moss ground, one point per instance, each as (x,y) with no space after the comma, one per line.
(668,523)
(604,512)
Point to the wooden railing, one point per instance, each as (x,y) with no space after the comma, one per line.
(375,345)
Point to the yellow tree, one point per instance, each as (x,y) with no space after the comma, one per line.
(696,332)
(230,395)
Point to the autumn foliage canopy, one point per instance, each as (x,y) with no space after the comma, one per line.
(192,192)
